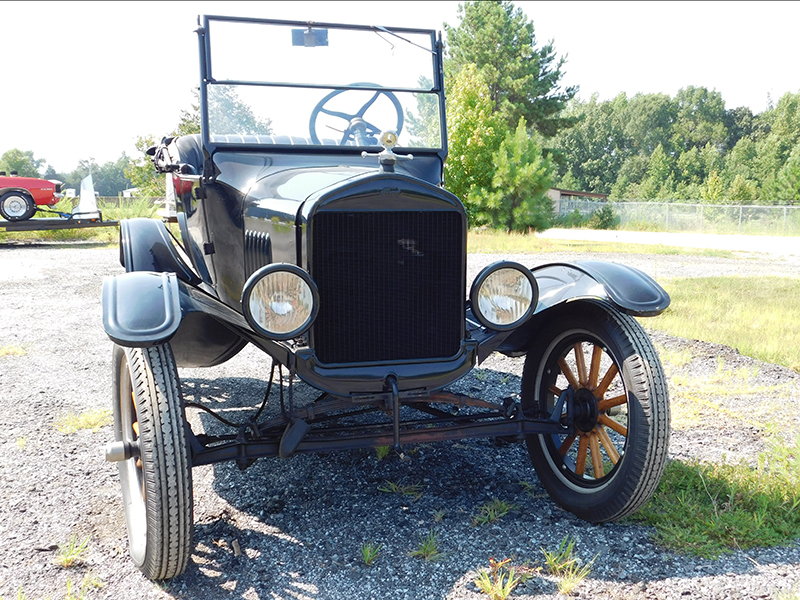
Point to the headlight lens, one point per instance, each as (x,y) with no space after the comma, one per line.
(280,301)
(504,295)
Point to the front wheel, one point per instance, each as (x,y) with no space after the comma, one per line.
(17,206)
(156,484)
(611,461)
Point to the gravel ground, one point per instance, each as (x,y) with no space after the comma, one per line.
(299,524)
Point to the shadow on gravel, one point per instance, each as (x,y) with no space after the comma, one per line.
(296,528)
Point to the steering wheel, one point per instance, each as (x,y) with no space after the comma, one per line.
(358,128)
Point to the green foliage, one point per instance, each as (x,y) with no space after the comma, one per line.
(761,316)
(424,126)
(517,199)
(711,509)
(21,161)
(414,490)
(653,147)
(492,511)
(428,548)
(382,452)
(604,218)
(563,563)
(229,114)
(523,80)
(370,552)
(72,552)
(475,133)
(141,172)
(499,581)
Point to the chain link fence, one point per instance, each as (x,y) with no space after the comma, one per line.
(693,218)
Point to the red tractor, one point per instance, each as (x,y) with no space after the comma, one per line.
(20,196)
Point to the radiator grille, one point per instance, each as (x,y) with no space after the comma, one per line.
(391,285)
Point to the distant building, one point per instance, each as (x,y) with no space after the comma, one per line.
(130,192)
(557,195)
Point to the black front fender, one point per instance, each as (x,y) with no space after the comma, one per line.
(627,289)
(141,308)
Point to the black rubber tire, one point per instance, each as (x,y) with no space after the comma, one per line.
(157,486)
(17,206)
(611,489)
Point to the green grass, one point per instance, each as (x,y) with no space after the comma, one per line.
(711,509)
(497,242)
(71,552)
(428,547)
(569,569)
(492,511)
(758,316)
(414,490)
(370,552)
(499,581)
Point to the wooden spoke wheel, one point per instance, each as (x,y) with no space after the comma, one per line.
(156,484)
(612,459)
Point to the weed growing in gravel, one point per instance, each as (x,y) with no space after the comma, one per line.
(414,490)
(71,552)
(370,552)
(569,569)
(93,419)
(439,515)
(492,511)
(382,452)
(711,509)
(499,581)
(428,546)
(533,491)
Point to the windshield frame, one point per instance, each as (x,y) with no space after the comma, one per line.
(207,79)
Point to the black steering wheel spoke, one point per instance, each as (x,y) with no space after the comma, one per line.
(357,128)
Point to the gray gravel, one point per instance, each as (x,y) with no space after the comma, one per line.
(300,523)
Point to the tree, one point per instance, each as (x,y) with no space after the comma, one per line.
(594,149)
(648,121)
(228,114)
(523,80)
(517,199)
(700,118)
(713,191)
(786,189)
(475,133)
(141,172)
(22,162)
(424,125)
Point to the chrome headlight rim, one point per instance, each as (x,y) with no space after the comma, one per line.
(260,274)
(481,279)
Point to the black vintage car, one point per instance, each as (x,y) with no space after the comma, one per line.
(314,224)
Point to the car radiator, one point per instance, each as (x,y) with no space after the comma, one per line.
(391,285)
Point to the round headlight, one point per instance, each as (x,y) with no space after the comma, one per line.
(504,295)
(280,301)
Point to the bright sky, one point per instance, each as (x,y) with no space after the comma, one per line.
(84,79)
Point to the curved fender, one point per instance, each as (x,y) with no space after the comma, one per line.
(629,289)
(141,308)
(146,245)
